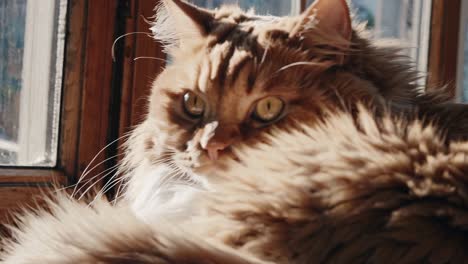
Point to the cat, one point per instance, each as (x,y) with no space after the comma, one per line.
(234,76)
(209,158)
(354,188)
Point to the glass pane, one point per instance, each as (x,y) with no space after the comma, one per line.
(31,48)
(270,7)
(465,71)
(407,20)
(388,19)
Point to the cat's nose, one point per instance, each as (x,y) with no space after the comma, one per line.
(218,138)
(214,147)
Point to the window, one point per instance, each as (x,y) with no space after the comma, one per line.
(34,61)
(462,92)
(271,7)
(31,46)
(412,17)
(406,20)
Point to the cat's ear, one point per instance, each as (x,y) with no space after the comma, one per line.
(330,16)
(178,21)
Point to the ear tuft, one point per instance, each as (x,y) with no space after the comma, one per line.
(163,28)
(328,16)
(178,22)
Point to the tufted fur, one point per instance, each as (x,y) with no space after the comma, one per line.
(233,59)
(76,233)
(379,191)
(375,190)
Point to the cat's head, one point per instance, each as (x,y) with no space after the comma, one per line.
(233,75)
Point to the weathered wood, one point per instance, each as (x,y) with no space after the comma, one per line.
(72,87)
(25,176)
(98,65)
(443,53)
(140,73)
(150,62)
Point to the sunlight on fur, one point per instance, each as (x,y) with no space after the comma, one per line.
(267,139)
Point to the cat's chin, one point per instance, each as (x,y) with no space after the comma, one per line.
(199,162)
(208,169)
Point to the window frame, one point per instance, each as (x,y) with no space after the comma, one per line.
(444,42)
(87,93)
(37,79)
(461,52)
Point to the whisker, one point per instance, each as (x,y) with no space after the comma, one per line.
(301,63)
(103,192)
(122,36)
(114,182)
(95,183)
(265,54)
(100,163)
(120,191)
(83,175)
(149,22)
(117,198)
(110,181)
(94,177)
(97,155)
(153,58)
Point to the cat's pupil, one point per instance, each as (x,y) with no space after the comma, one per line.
(193,105)
(268,109)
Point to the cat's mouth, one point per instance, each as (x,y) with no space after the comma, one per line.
(200,160)
(215,155)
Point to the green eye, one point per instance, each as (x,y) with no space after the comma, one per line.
(268,109)
(194,106)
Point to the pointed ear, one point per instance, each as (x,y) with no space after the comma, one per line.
(329,16)
(178,21)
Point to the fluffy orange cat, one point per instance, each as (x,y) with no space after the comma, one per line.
(254,150)
(234,75)
(349,190)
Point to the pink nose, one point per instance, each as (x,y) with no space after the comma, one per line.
(214,147)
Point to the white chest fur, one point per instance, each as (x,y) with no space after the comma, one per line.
(157,192)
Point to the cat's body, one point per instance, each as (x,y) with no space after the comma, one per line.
(231,60)
(350,191)
(371,191)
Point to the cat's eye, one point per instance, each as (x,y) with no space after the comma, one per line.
(268,109)
(194,105)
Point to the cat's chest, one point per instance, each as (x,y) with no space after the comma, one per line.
(161,194)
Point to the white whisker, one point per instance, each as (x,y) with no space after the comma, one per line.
(125,35)
(301,63)
(95,183)
(265,54)
(97,155)
(106,187)
(110,184)
(83,175)
(153,58)
(75,191)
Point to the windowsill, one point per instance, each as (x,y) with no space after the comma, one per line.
(31,177)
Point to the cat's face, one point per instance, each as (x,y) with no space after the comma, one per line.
(235,75)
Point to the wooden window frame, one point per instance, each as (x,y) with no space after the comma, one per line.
(444,42)
(102,99)
(85,107)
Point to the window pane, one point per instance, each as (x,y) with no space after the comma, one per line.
(462,92)
(31,46)
(407,20)
(464,95)
(270,7)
